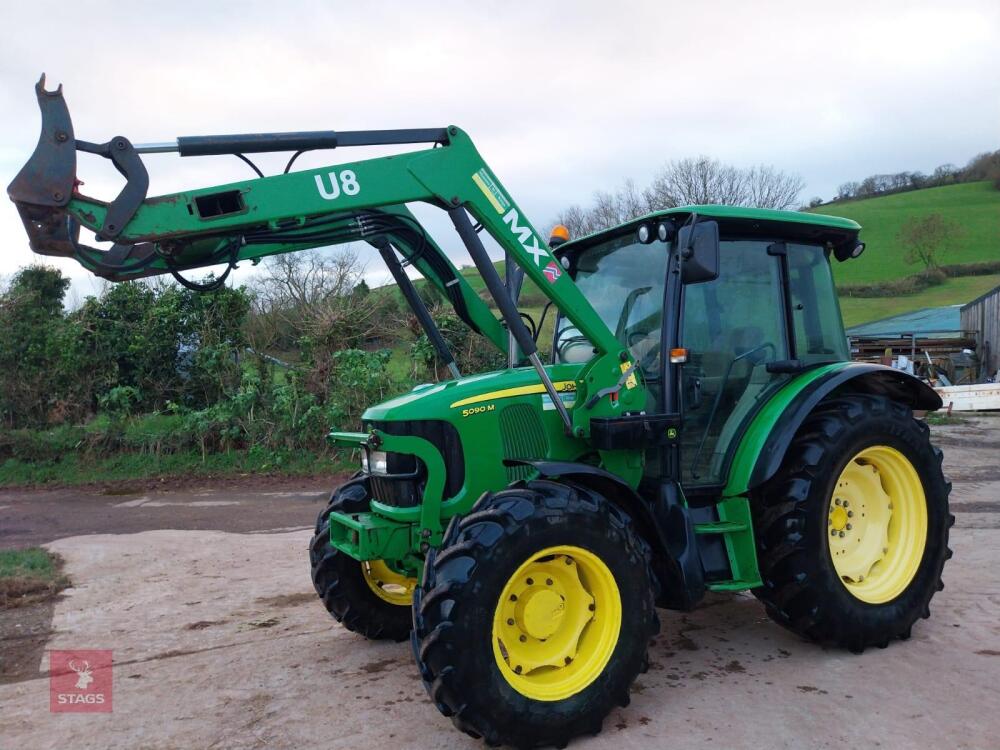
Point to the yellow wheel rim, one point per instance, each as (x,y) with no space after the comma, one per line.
(387,584)
(877,524)
(557,623)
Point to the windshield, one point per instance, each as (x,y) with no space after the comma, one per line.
(623,280)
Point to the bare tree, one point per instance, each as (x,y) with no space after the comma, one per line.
(697,181)
(926,236)
(608,210)
(692,181)
(767,187)
(319,294)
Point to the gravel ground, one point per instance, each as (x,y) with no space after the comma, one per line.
(219,641)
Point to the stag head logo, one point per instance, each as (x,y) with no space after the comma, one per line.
(80,680)
(84,674)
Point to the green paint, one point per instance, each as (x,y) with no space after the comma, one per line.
(763,423)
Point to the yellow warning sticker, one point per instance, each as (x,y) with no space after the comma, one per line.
(493,194)
(630,381)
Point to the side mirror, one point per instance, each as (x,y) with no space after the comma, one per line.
(699,249)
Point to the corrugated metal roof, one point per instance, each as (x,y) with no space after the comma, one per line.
(929,321)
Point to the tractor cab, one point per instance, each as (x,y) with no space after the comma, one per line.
(734,336)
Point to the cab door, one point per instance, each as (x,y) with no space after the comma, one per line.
(732,327)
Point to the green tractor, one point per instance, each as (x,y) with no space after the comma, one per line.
(698,425)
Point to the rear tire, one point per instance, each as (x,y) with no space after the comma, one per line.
(563,549)
(872,450)
(341,581)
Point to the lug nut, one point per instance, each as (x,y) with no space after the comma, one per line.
(568,660)
(841,534)
(517,669)
(530,581)
(548,581)
(513,597)
(523,639)
(568,560)
(591,607)
(846,503)
(850,514)
(510,620)
(848,527)
(836,501)
(833,532)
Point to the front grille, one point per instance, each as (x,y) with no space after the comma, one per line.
(407,493)
(523,437)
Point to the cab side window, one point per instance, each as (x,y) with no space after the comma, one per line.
(733,327)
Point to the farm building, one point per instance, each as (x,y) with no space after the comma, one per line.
(934,339)
(982,316)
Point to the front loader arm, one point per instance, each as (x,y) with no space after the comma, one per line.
(353,201)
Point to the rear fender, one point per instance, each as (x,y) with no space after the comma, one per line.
(751,471)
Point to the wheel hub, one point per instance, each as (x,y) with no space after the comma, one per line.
(556,623)
(542,613)
(877,524)
(387,584)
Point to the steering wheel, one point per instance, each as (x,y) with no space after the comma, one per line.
(649,357)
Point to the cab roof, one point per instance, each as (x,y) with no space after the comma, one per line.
(744,222)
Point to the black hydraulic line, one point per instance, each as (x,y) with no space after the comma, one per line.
(215,284)
(253,166)
(488,271)
(514,278)
(508,309)
(208,145)
(416,304)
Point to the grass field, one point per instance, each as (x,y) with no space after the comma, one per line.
(28,575)
(975,206)
(953,291)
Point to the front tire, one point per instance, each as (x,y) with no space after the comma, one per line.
(852,532)
(368,598)
(535,615)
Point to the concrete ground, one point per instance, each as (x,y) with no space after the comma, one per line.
(219,641)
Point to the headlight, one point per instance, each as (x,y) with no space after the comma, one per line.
(375,462)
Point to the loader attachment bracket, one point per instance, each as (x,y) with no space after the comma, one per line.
(47,182)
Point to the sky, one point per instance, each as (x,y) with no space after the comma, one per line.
(561,98)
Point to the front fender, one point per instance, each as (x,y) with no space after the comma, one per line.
(763,444)
(662,520)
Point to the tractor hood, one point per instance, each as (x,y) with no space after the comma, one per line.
(452,400)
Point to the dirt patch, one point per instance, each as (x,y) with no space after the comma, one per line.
(988,652)
(24,631)
(32,576)
(261,624)
(286,600)
(379,666)
(175,483)
(202,624)
(22,591)
(34,517)
(810,689)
